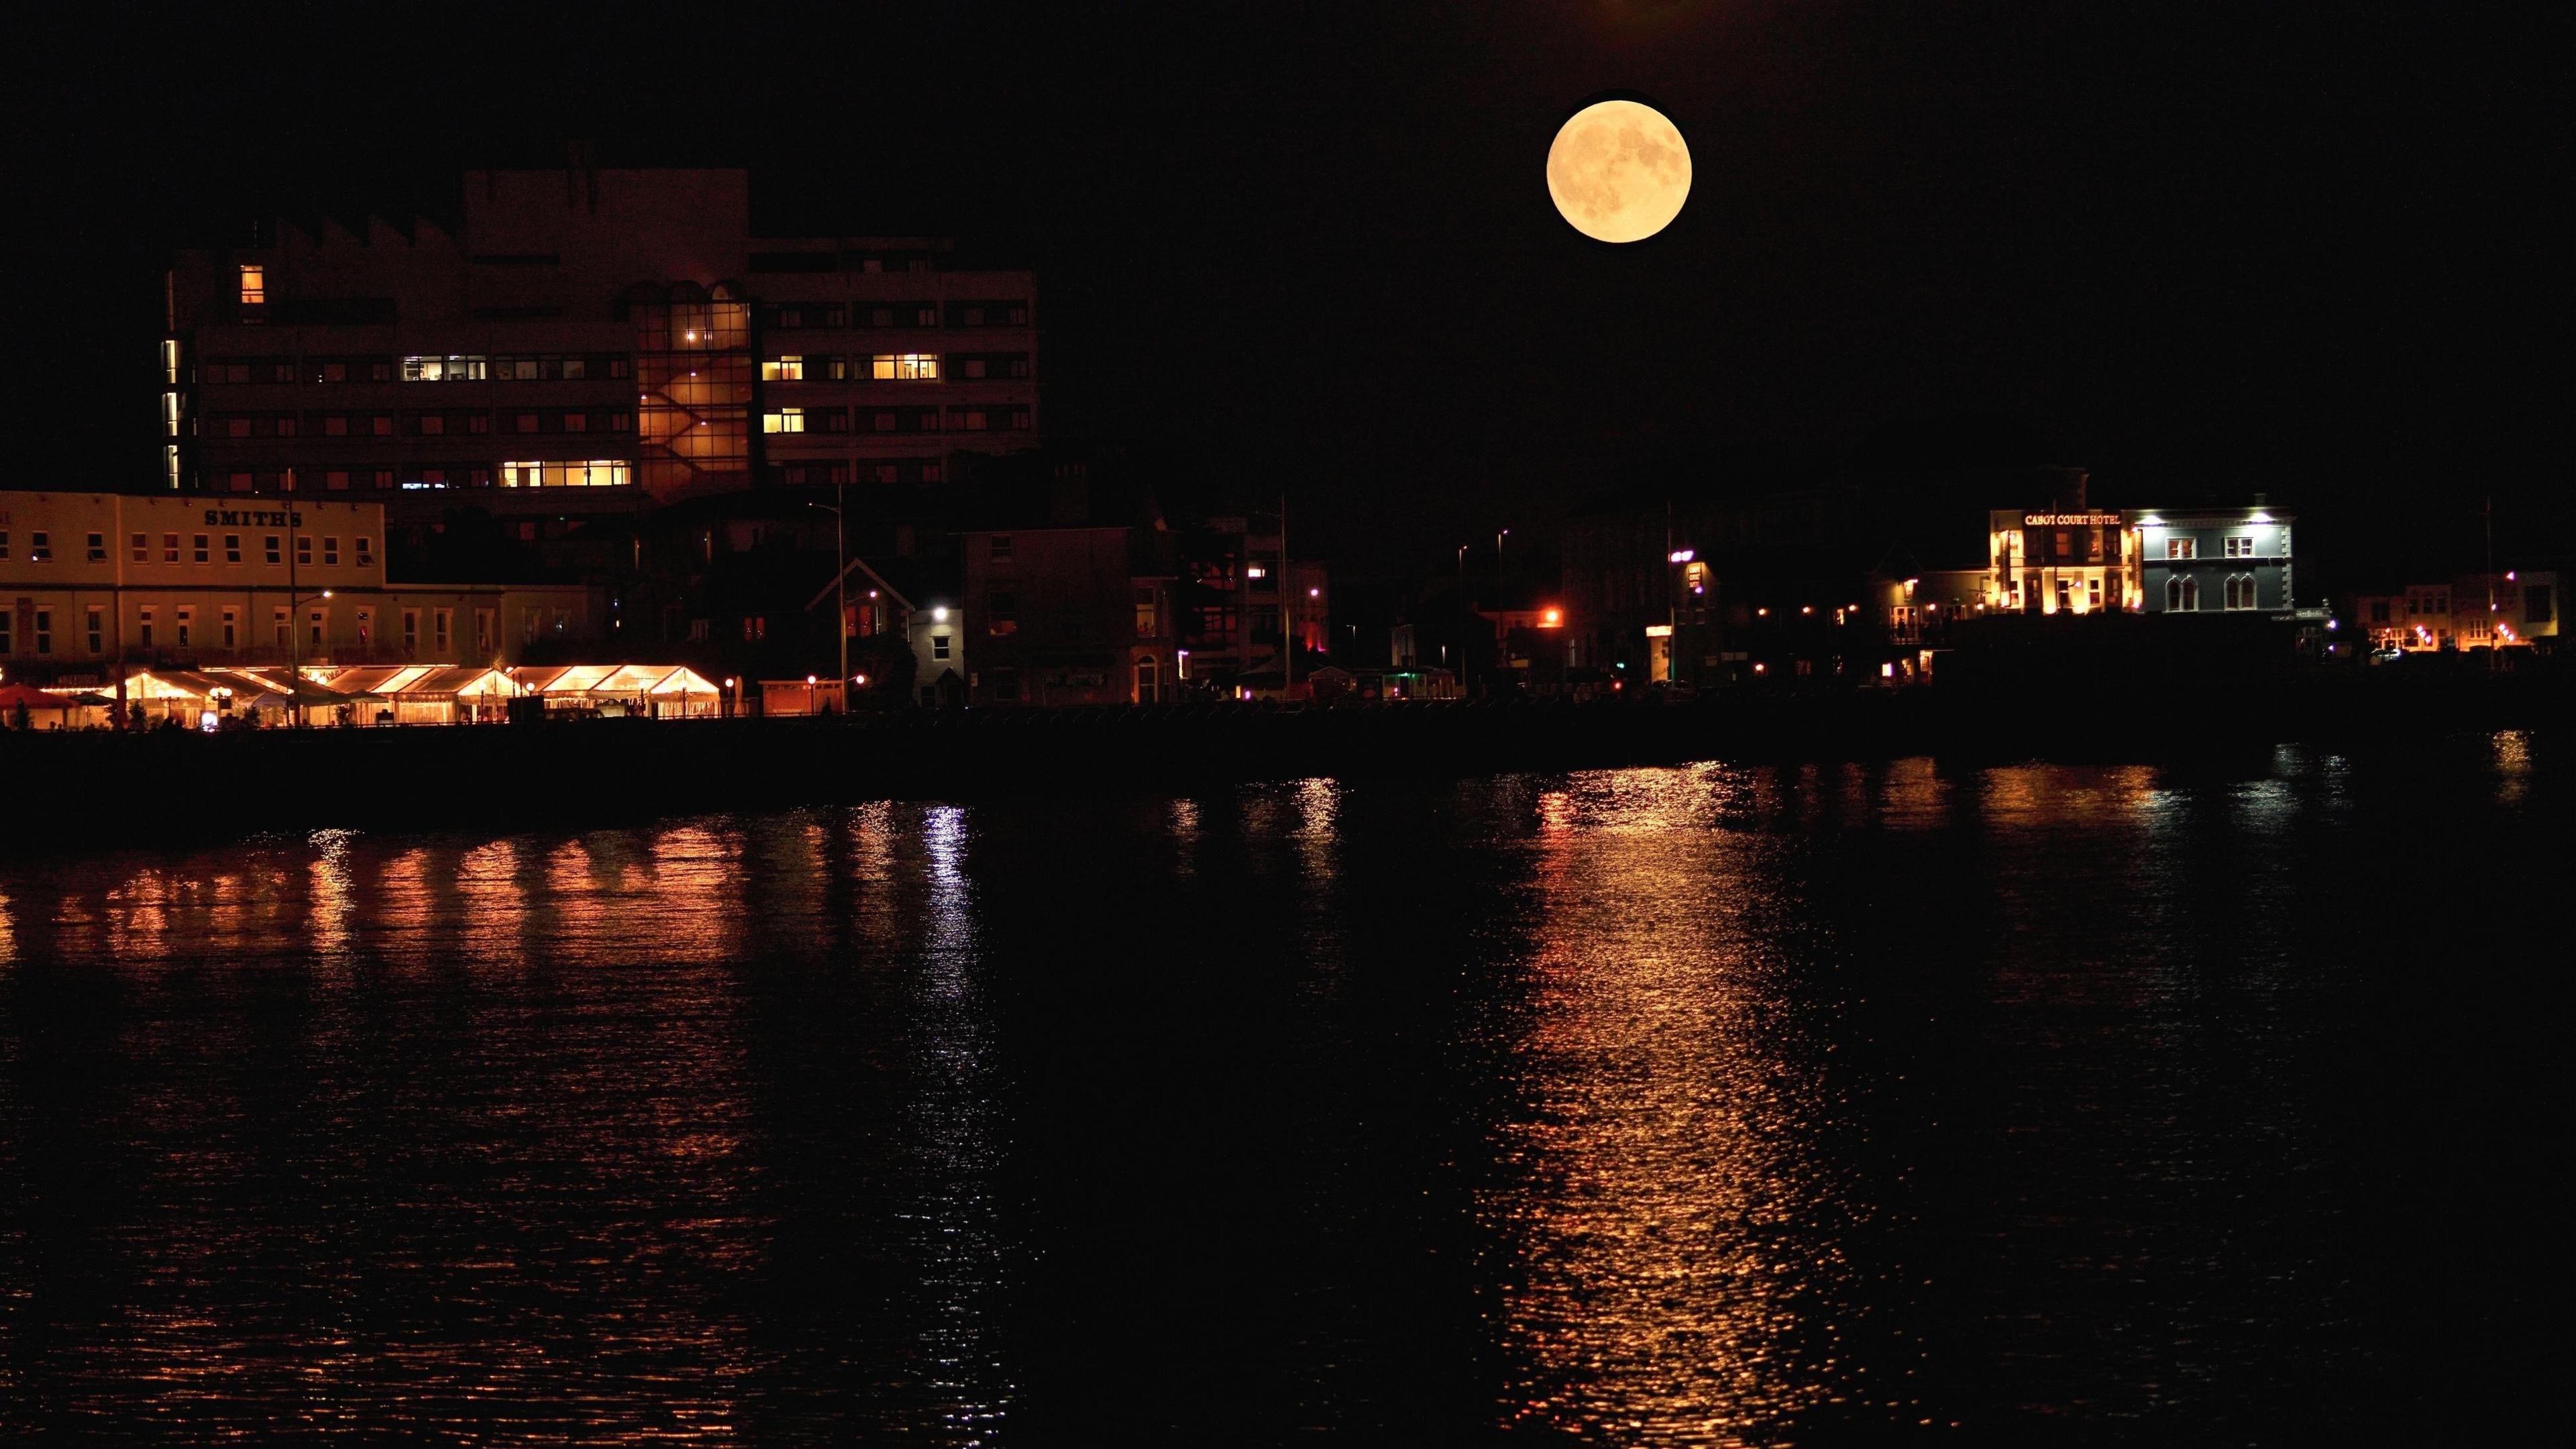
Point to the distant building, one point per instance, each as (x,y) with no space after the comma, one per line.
(584,341)
(2475,611)
(2203,560)
(89,581)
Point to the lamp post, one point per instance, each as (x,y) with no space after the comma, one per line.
(295,644)
(840,577)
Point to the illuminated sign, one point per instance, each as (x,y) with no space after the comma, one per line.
(2071,520)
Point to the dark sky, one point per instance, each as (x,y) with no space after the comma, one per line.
(2194,247)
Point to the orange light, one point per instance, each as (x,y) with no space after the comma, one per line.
(1550,618)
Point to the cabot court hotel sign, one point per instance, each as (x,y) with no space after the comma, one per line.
(2070,520)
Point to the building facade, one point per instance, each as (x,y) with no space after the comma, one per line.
(585,340)
(2204,560)
(2474,611)
(89,581)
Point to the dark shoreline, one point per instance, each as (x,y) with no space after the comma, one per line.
(100,789)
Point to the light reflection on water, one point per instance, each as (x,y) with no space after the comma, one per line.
(1712,1104)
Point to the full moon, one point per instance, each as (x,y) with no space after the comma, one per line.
(1618,171)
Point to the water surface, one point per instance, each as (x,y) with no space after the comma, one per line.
(1702,1105)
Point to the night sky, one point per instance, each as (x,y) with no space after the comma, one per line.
(2198,248)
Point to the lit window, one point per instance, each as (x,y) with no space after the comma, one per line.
(594,473)
(2182,548)
(2238,547)
(254,286)
(905,367)
(445,369)
(785,420)
(783,369)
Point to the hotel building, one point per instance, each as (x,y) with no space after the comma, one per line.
(580,342)
(2475,611)
(92,580)
(2156,561)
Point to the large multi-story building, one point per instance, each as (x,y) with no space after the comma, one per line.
(584,341)
(93,581)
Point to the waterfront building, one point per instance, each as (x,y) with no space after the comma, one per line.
(582,342)
(2517,608)
(2213,560)
(92,580)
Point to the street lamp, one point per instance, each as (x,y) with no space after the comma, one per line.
(295,645)
(840,573)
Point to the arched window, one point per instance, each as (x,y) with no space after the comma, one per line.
(2240,591)
(1147,676)
(2182,596)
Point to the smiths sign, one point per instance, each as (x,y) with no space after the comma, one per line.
(2071,520)
(252,518)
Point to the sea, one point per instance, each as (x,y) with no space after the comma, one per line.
(2194,1103)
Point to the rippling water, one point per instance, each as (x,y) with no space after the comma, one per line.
(1702,1105)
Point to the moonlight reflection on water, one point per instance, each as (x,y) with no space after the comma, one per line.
(1714,1104)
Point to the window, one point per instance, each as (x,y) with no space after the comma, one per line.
(904,367)
(365,550)
(8,640)
(938,646)
(783,369)
(96,620)
(2093,593)
(2240,591)
(44,631)
(595,473)
(2238,547)
(313,623)
(366,630)
(232,548)
(254,286)
(999,550)
(1006,685)
(2379,611)
(2182,548)
(270,549)
(279,626)
(1149,620)
(232,629)
(197,547)
(143,548)
(445,369)
(2182,596)
(183,624)
(96,551)
(1002,613)
(1146,680)
(330,550)
(482,633)
(40,547)
(785,420)
(4,543)
(143,627)
(438,629)
(2538,604)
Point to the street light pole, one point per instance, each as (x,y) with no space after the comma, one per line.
(840,584)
